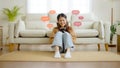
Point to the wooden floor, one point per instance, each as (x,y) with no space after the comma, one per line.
(60,64)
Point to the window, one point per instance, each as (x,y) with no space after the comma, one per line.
(38,6)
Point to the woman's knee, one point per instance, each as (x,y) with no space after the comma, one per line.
(67,34)
(59,33)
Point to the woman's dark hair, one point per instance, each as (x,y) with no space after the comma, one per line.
(61,15)
(58,17)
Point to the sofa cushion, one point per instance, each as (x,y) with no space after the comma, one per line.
(81,32)
(86,32)
(49,33)
(68,17)
(53,17)
(34,21)
(33,33)
(36,25)
(83,17)
(82,21)
(82,24)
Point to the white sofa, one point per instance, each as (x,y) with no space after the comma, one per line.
(33,30)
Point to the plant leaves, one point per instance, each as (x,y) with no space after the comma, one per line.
(113,29)
(11,13)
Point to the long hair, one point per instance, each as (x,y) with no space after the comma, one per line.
(66,26)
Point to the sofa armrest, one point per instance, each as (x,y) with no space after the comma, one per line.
(100,27)
(14,30)
(107,32)
(19,26)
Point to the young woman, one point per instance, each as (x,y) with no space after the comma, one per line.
(63,33)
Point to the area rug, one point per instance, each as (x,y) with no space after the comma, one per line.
(48,56)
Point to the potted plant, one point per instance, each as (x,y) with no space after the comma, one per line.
(113,31)
(12,14)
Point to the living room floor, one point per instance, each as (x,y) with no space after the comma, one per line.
(59,64)
(46,47)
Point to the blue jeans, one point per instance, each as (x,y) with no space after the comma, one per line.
(61,38)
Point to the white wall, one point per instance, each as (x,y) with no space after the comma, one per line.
(117,10)
(102,9)
(11,3)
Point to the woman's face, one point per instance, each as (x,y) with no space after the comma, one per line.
(62,21)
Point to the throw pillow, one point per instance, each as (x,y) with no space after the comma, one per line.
(19,26)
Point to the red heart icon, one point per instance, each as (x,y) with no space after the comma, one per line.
(49,25)
(45,18)
(52,11)
(75,12)
(77,24)
(81,17)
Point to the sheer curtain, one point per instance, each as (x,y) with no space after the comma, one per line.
(43,6)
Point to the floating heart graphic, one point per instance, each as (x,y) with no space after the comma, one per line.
(81,17)
(45,18)
(77,24)
(52,11)
(75,12)
(49,25)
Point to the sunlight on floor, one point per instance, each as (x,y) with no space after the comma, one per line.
(47,47)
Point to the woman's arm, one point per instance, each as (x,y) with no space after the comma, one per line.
(53,34)
(72,34)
